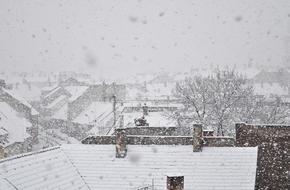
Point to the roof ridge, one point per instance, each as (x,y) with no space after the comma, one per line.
(9,182)
(28,154)
(68,158)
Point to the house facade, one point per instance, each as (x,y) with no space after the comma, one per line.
(273,153)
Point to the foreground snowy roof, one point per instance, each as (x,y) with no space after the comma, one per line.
(5,184)
(95,167)
(48,169)
(14,124)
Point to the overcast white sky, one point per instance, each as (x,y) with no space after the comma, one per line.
(119,37)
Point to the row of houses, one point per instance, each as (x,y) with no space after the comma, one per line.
(76,96)
(79,108)
(272,83)
(66,111)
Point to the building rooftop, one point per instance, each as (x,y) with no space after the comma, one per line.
(75,91)
(96,167)
(155,119)
(20,100)
(14,124)
(94,112)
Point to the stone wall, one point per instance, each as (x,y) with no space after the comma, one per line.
(153,131)
(160,140)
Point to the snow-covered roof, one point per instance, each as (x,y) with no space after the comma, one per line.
(49,169)
(49,88)
(76,91)
(56,101)
(151,103)
(52,91)
(30,93)
(5,184)
(73,166)
(3,131)
(21,100)
(94,112)
(61,113)
(14,124)
(214,168)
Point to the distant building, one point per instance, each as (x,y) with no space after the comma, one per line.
(70,98)
(14,132)
(274,83)
(151,113)
(281,76)
(2,83)
(18,124)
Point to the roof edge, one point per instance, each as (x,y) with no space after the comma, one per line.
(28,154)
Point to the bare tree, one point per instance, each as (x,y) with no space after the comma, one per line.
(227,91)
(194,93)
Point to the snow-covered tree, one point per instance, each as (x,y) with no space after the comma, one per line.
(194,93)
(222,99)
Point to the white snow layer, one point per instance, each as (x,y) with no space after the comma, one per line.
(73,166)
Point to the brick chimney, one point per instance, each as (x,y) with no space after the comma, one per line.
(197,138)
(175,182)
(121,148)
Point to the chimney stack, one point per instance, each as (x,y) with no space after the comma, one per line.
(197,138)
(121,148)
(175,182)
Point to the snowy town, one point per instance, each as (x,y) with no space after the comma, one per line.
(69,131)
(145,95)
